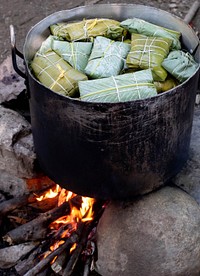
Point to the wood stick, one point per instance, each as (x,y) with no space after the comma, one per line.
(46,204)
(37,228)
(192,11)
(74,238)
(14,203)
(86,271)
(27,263)
(89,255)
(76,253)
(43,272)
(60,262)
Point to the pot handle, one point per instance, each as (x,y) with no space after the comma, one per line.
(15,53)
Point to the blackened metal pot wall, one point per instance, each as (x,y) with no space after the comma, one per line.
(114,150)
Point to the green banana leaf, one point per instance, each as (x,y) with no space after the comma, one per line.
(75,53)
(180,64)
(169,83)
(149,52)
(121,88)
(46,45)
(135,25)
(55,73)
(89,28)
(107,58)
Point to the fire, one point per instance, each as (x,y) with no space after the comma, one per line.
(50,193)
(73,247)
(64,196)
(56,245)
(66,224)
(85,213)
(86,209)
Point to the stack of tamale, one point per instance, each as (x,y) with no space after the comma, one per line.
(103,60)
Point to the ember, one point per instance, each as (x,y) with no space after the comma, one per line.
(62,239)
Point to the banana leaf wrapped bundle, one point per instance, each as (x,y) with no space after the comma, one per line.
(88,29)
(107,58)
(121,88)
(55,73)
(180,64)
(75,53)
(47,45)
(169,83)
(135,25)
(149,52)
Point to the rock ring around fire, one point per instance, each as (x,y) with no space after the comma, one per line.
(155,235)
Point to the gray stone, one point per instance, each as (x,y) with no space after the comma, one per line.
(11,84)
(12,185)
(157,235)
(2,197)
(189,177)
(15,186)
(16,144)
(172,5)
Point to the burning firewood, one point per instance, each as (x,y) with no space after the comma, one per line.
(74,238)
(47,201)
(77,251)
(62,232)
(37,228)
(14,203)
(59,263)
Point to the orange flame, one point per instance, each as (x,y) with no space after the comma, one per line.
(56,245)
(65,196)
(86,209)
(85,213)
(68,222)
(50,193)
(73,247)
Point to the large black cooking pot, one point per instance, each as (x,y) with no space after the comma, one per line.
(111,150)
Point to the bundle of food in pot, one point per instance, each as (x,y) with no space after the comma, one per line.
(104,60)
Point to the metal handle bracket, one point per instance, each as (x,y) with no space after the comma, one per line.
(15,53)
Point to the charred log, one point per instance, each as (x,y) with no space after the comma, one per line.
(27,263)
(79,248)
(74,238)
(14,203)
(46,204)
(87,266)
(60,263)
(37,228)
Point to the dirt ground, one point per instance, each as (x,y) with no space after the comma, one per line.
(24,14)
